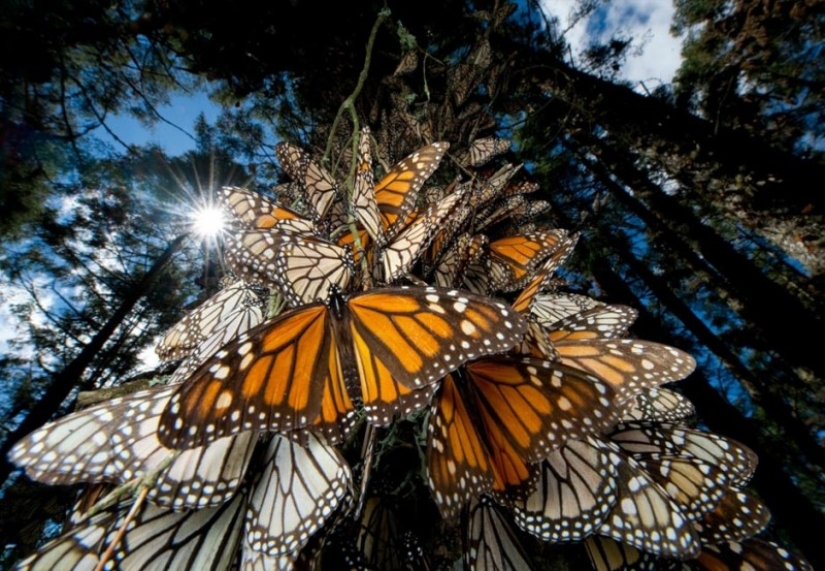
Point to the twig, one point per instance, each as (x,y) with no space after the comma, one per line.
(122,531)
(349,102)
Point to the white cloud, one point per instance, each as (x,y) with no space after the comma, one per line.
(647,22)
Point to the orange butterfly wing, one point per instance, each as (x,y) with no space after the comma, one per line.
(271,379)
(397,192)
(458,463)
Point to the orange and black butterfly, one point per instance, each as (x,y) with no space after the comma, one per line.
(308,367)
(234,309)
(736,517)
(490,542)
(629,365)
(387,210)
(514,259)
(484,150)
(496,416)
(256,211)
(609,555)
(753,554)
(317,185)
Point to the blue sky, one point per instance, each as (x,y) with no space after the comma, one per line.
(181,112)
(655,53)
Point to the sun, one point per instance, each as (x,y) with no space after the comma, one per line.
(208,221)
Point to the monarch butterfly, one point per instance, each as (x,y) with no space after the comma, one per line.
(387,210)
(577,488)
(603,322)
(754,554)
(363,198)
(590,488)
(318,185)
(528,210)
(222,317)
(694,485)
(400,255)
(736,517)
(543,278)
(629,365)
(461,80)
(304,268)
(157,539)
(301,368)
(396,193)
(450,228)
(490,542)
(735,459)
(296,492)
(496,212)
(492,187)
(255,211)
(645,517)
(552,307)
(486,426)
(116,442)
(466,250)
(484,150)
(408,63)
(513,259)
(658,404)
(610,555)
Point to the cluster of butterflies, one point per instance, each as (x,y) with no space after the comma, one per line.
(542,416)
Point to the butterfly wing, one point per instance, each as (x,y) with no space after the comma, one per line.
(304,268)
(519,256)
(629,365)
(484,150)
(736,517)
(458,462)
(226,314)
(421,334)
(576,490)
(397,192)
(117,441)
(270,378)
(157,539)
(660,404)
(297,491)
(754,554)
(257,212)
(640,438)
(363,199)
(317,185)
(646,518)
(609,555)
(603,322)
(399,256)
(536,404)
(490,542)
